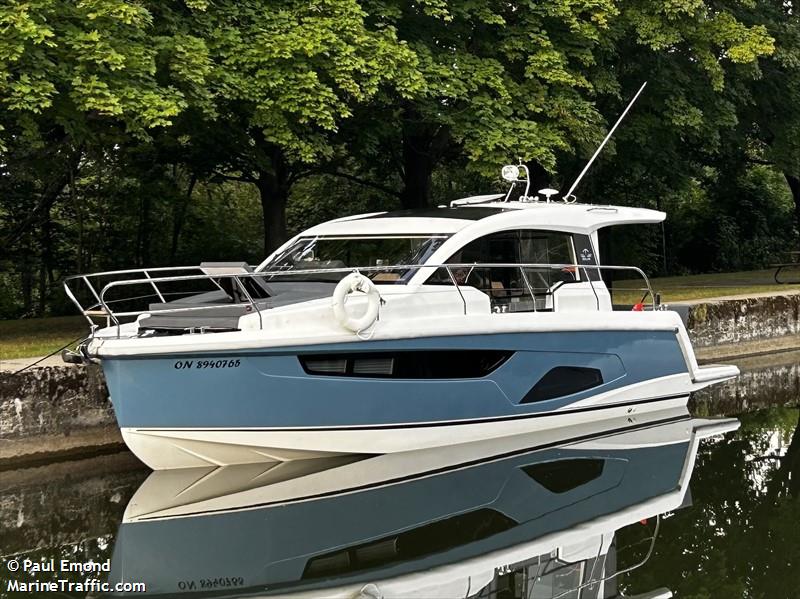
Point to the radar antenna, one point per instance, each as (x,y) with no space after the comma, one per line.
(568,197)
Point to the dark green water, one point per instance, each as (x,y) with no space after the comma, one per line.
(741,536)
(737,533)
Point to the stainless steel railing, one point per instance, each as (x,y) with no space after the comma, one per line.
(103,307)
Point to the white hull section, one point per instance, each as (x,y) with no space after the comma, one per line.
(177,493)
(163,449)
(409,313)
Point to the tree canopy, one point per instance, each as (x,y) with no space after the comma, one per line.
(130,130)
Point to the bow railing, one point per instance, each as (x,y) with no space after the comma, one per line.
(114,310)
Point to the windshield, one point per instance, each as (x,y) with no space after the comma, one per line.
(314,253)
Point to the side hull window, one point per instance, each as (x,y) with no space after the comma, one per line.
(563,380)
(423,364)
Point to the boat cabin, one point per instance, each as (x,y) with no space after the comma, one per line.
(525,256)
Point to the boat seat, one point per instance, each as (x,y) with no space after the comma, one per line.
(221,313)
(386,277)
(498,290)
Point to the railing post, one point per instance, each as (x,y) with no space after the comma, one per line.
(453,279)
(108,310)
(591,284)
(530,289)
(75,301)
(155,287)
(99,301)
(607,577)
(250,299)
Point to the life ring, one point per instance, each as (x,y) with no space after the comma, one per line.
(352,283)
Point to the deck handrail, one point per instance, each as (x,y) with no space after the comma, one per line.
(106,310)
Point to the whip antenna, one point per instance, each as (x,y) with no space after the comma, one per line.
(600,147)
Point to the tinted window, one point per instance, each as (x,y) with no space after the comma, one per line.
(320,253)
(430,364)
(513,288)
(563,380)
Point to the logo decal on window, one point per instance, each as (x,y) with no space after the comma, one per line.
(586,255)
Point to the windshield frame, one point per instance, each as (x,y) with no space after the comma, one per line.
(430,243)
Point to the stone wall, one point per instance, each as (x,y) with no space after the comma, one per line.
(744,325)
(54,411)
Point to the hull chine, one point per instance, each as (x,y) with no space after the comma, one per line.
(163,449)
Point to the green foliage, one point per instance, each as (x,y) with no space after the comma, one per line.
(502,80)
(10,299)
(293,70)
(75,61)
(146,132)
(223,221)
(320,198)
(743,222)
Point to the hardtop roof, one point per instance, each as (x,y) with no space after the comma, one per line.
(577,218)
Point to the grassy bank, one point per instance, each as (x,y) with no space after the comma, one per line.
(38,336)
(693,287)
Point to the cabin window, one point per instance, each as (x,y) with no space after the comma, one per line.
(512,288)
(425,364)
(382,254)
(547,247)
(563,380)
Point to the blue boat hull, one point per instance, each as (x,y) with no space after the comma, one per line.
(270,388)
(241,407)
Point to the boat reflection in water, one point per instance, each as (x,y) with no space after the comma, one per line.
(531,516)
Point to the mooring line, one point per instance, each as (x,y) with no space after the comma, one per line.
(50,354)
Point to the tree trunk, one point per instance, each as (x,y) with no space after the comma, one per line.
(45,265)
(417,170)
(40,309)
(274,195)
(791,462)
(794,186)
(79,214)
(179,217)
(423,148)
(26,275)
(143,241)
(540,178)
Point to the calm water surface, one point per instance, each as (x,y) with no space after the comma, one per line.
(555,521)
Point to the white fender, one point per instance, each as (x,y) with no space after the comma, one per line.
(356,282)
